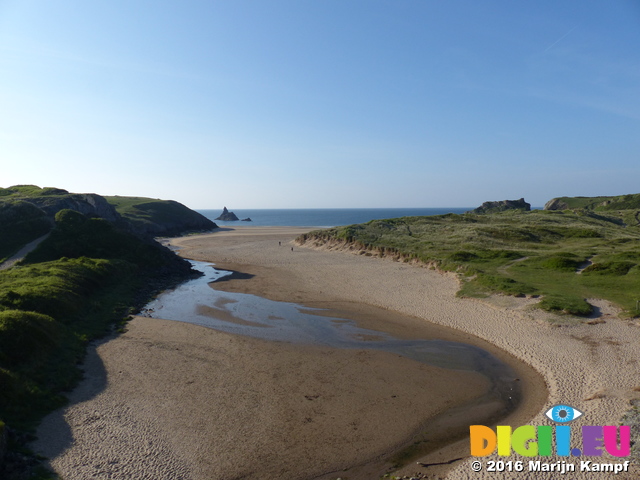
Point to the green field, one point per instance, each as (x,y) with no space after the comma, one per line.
(515,253)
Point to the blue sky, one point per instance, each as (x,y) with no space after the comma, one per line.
(325,103)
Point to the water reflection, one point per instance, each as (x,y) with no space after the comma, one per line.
(196,302)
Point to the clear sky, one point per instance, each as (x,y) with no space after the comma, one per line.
(323,103)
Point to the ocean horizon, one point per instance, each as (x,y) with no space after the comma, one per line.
(321,217)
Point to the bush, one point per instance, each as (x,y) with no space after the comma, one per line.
(463,256)
(506,285)
(567,304)
(26,336)
(561,263)
(581,233)
(501,254)
(609,268)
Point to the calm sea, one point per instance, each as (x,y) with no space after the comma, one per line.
(322,217)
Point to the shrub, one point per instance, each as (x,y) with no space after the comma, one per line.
(609,268)
(506,285)
(26,336)
(463,256)
(567,304)
(560,263)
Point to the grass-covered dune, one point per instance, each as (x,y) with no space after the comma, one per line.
(515,252)
(86,276)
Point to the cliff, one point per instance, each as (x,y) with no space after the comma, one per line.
(501,206)
(28,212)
(597,204)
(52,200)
(88,204)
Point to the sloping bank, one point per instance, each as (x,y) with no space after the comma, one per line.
(590,364)
(86,276)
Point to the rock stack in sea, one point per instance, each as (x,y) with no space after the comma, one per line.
(227,216)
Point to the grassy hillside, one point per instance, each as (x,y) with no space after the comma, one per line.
(86,276)
(18,191)
(165,217)
(27,212)
(596,204)
(517,253)
(95,267)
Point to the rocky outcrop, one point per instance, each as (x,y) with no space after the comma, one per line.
(556,204)
(140,216)
(501,206)
(246,220)
(227,216)
(89,204)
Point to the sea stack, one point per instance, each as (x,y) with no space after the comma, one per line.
(227,216)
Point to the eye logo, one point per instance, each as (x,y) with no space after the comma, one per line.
(563,413)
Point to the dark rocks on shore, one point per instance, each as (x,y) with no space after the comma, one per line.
(501,206)
(227,216)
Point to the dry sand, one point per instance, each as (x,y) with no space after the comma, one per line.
(217,406)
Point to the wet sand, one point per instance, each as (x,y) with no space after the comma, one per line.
(591,366)
(170,400)
(173,400)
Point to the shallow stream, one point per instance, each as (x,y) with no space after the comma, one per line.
(197,302)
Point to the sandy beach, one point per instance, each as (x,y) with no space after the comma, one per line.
(173,400)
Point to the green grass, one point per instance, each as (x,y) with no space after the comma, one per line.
(515,253)
(147,213)
(567,303)
(78,236)
(47,313)
(603,204)
(149,210)
(31,191)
